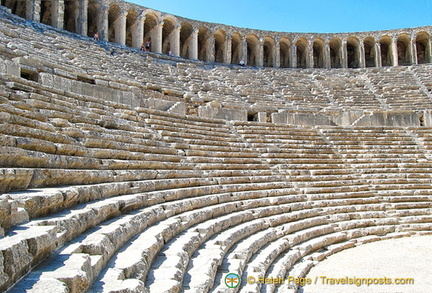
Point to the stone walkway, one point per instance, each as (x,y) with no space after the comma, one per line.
(404,258)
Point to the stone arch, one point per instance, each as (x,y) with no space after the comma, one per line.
(302,46)
(236,48)
(168,34)
(204,36)
(46,13)
(404,49)
(220,46)
(318,53)
(268,52)
(386,51)
(186,40)
(353,52)
(16,6)
(151,25)
(71,11)
(252,49)
(93,17)
(335,45)
(423,47)
(369,44)
(285,52)
(131,20)
(114,15)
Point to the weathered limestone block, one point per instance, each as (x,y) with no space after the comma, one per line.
(6,209)
(10,213)
(309,119)
(280,117)
(35,145)
(76,272)
(46,285)
(114,282)
(57,177)
(39,203)
(216,111)
(17,259)
(14,179)
(23,114)
(3,276)
(389,118)
(10,67)
(66,72)
(135,261)
(98,244)
(41,240)
(33,131)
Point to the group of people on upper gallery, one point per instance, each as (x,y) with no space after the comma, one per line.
(146,46)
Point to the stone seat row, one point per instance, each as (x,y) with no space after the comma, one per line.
(272,250)
(46,203)
(179,232)
(234,139)
(175,207)
(93,140)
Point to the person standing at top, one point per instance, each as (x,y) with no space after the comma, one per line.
(148,45)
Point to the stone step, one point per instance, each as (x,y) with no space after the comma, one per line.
(237,259)
(23,249)
(259,267)
(205,230)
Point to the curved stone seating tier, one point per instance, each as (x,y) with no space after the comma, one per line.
(128,76)
(344,207)
(107,185)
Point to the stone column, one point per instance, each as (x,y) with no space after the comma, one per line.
(138,31)
(394,52)
(175,41)
(228,47)
(193,50)
(414,59)
(156,36)
(210,49)
(293,59)
(375,54)
(362,57)
(120,28)
(244,55)
(57,9)
(429,50)
(327,58)
(309,55)
(33,10)
(82,24)
(260,53)
(344,57)
(103,22)
(276,55)
(378,59)
(413,50)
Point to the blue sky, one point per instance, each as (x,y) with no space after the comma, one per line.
(319,16)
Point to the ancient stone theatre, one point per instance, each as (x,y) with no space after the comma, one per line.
(146,152)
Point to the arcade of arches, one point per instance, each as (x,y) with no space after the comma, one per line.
(131,25)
